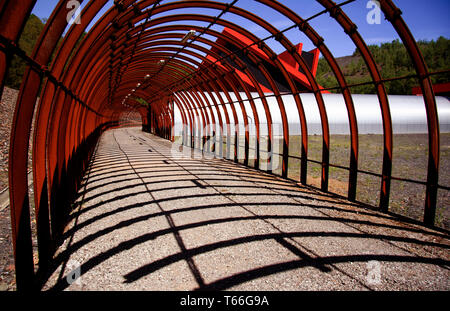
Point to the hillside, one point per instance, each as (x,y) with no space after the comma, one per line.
(393,61)
(30,34)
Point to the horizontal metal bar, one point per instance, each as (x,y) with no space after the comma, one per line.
(11,46)
(341,167)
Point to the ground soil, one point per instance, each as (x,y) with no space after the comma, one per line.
(7,105)
(7,272)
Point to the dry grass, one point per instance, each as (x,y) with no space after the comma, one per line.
(410,158)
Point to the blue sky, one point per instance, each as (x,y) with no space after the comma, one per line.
(427,20)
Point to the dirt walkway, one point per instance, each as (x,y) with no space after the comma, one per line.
(149,219)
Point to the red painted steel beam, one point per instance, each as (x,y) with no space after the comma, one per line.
(236,93)
(40,129)
(13,16)
(242,108)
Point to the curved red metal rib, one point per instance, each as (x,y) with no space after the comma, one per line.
(87,93)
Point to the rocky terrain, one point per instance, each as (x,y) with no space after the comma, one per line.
(7,104)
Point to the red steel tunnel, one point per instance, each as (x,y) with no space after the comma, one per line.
(137,49)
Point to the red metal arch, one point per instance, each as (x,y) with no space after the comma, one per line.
(83,96)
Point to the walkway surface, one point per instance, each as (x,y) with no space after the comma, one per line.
(149,219)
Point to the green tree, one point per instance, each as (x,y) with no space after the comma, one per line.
(30,34)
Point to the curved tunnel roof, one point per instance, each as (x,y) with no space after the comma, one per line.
(142,50)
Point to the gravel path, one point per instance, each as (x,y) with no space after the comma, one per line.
(150,219)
